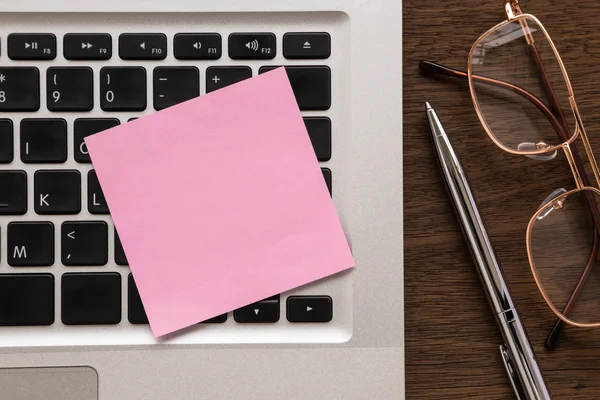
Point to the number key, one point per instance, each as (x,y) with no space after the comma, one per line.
(19,89)
(69,89)
(123,88)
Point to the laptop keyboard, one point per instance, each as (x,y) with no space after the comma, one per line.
(62,263)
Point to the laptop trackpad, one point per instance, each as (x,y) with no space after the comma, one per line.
(56,383)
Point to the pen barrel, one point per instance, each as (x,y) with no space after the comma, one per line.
(526,376)
(522,358)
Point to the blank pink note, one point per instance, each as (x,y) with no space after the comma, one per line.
(219,202)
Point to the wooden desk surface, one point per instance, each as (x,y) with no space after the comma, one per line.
(451,338)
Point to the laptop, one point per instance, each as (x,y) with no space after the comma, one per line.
(72,325)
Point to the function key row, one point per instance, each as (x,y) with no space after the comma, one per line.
(44,140)
(153,46)
(124,88)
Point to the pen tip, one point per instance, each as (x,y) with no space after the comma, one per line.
(428,106)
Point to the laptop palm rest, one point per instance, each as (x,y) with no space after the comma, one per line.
(56,383)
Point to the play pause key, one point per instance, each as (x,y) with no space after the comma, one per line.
(31,46)
(309,309)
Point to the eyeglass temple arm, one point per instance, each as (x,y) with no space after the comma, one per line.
(554,336)
(437,69)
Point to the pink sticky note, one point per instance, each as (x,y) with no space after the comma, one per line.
(219,202)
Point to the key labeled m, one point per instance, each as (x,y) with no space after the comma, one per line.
(20,252)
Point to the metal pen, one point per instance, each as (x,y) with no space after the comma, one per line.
(517,354)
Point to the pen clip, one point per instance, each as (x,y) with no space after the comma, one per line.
(514,379)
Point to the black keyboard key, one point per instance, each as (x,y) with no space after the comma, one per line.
(264,311)
(123,88)
(13,192)
(91,299)
(30,244)
(31,46)
(309,309)
(252,46)
(219,77)
(96,201)
(19,89)
(87,46)
(69,89)
(84,127)
(327,176)
(219,319)
(173,85)
(26,299)
(142,46)
(311,85)
(120,257)
(57,192)
(84,243)
(319,131)
(43,140)
(197,46)
(6,141)
(135,309)
(315,45)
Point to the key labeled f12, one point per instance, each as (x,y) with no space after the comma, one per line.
(252,46)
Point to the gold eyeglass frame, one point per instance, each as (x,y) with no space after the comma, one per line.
(514,13)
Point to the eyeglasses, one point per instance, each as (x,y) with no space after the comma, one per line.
(525,102)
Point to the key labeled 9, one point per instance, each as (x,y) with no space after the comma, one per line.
(69,89)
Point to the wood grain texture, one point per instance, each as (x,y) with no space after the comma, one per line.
(451,338)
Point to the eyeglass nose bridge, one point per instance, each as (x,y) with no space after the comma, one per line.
(576,173)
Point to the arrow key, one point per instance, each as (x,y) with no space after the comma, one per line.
(309,308)
(84,243)
(264,311)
